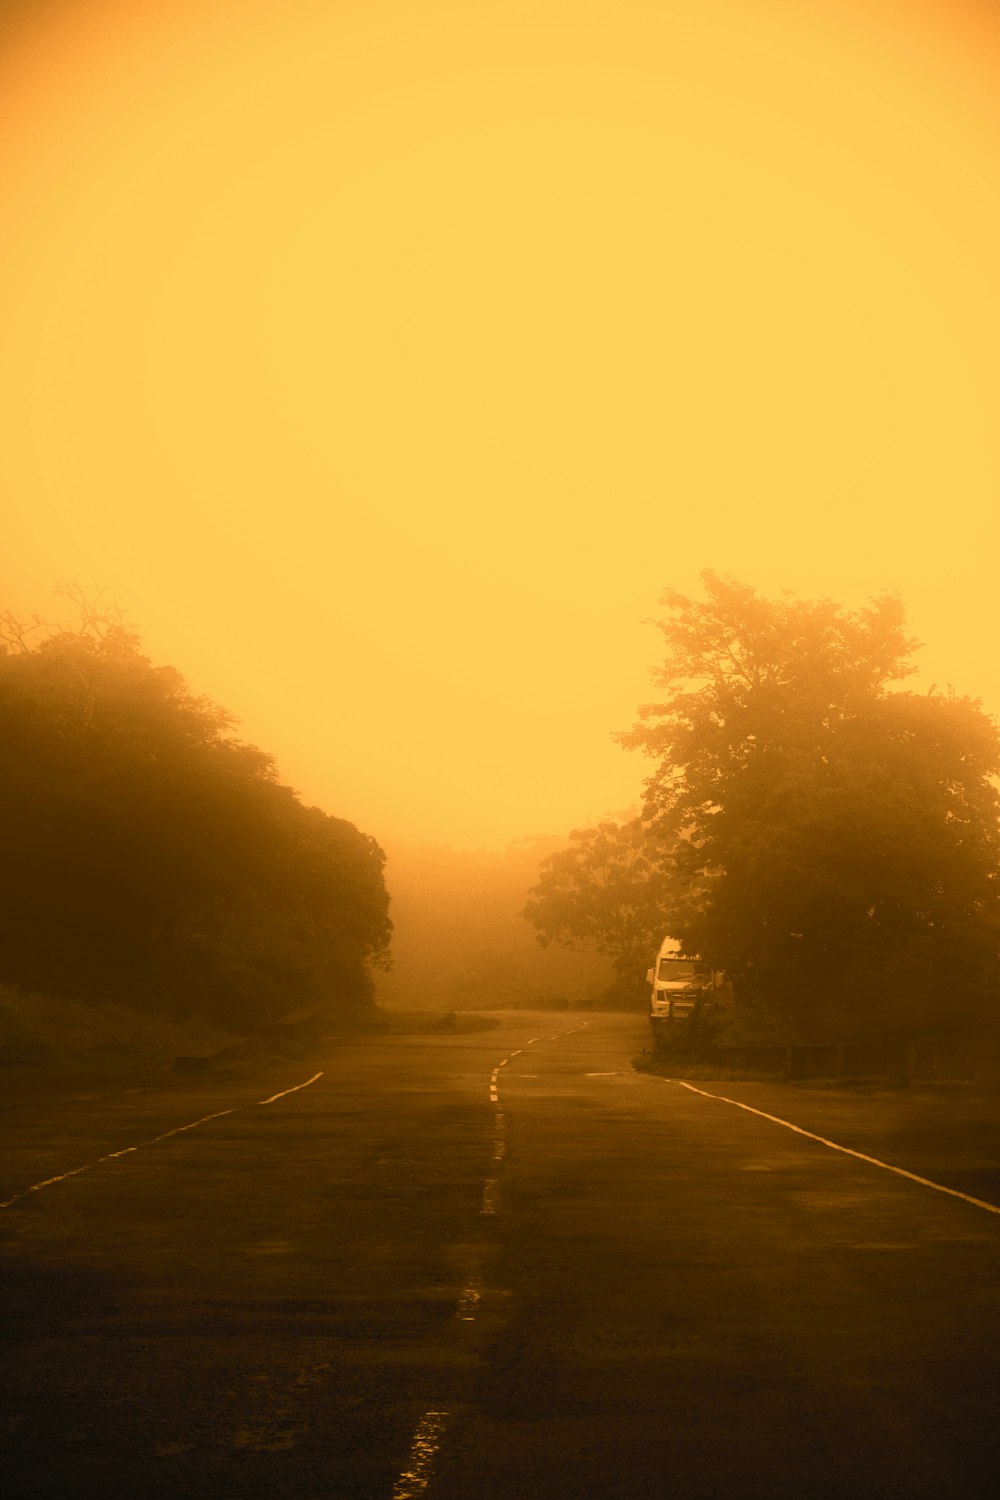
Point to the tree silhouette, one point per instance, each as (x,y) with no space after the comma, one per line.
(834,841)
(152,857)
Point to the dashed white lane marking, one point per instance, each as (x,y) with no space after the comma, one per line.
(498,1150)
(494,1076)
(991,1208)
(491,1190)
(154,1140)
(426,1442)
(491,1196)
(468,1302)
(112,1156)
(291,1090)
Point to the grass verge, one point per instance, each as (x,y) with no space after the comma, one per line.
(681,1066)
(48,1038)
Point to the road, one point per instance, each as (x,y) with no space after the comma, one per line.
(500,1263)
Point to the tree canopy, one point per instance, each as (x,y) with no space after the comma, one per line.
(607,892)
(151,856)
(833,839)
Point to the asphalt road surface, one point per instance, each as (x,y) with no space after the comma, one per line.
(498,1265)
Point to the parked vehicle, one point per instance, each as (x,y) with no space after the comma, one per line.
(680,982)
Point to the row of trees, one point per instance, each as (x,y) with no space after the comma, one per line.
(828,838)
(152,857)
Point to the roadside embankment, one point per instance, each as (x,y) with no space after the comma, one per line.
(49,1041)
(49,1044)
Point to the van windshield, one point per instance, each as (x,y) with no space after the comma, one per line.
(679,968)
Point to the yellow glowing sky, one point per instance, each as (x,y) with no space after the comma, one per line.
(389,359)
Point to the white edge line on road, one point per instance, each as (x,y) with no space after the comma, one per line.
(154,1140)
(991,1208)
(291,1090)
(113,1155)
(426,1442)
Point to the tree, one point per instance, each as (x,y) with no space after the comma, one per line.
(834,841)
(606,893)
(152,857)
(459,938)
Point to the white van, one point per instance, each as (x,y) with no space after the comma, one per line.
(679,982)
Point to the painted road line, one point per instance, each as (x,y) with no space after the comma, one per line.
(491,1196)
(991,1208)
(153,1141)
(491,1190)
(469,1300)
(423,1450)
(291,1090)
(47,1183)
(114,1155)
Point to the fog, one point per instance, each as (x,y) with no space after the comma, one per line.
(388,361)
(459,940)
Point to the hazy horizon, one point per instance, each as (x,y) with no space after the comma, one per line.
(387,361)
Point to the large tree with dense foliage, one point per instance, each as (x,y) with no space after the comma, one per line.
(607,892)
(834,839)
(151,856)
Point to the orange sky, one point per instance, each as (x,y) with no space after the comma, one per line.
(389,359)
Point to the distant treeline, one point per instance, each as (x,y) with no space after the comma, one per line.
(460,942)
(151,858)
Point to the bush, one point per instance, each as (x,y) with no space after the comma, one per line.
(55,1033)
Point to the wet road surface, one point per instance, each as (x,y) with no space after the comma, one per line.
(501,1264)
